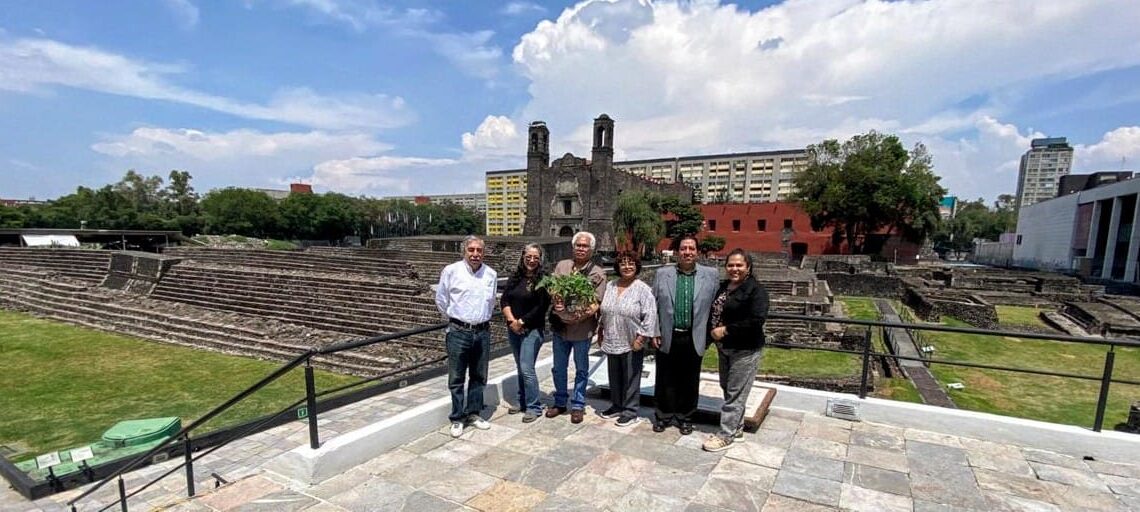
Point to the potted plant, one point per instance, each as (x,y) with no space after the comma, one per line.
(574,291)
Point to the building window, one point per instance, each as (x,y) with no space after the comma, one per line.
(1018,239)
(762,225)
(567,208)
(712,225)
(787,223)
(736,224)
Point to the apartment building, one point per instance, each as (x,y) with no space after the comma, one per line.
(755,177)
(506,202)
(1041,168)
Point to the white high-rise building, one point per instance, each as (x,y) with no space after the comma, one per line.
(1041,169)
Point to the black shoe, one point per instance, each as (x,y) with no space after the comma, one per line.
(612,412)
(686,428)
(659,426)
(628,421)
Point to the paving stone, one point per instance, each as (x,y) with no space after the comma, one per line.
(780,412)
(457,452)
(1131,502)
(387,461)
(555,503)
(954,485)
(925,436)
(774,438)
(807,488)
(877,479)
(599,488)
(932,459)
(1026,487)
(1122,485)
(242,491)
(460,484)
(877,440)
(1070,497)
(1000,502)
(638,500)
(927,506)
(507,497)
(757,453)
(421,501)
(809,464)
(861,499)
(819,419)
(595,436)
(573,454)
(338,484)
(416,472)
(750,474)
(672,482)
(283,501)
(641,447)
(1068,476)
(558,428)
(619,466)
(731,495)
(375,494)
(499,463)
(692,441)
(493,436)
(1004,461)
(777,503)
(1114,468)
(886,459)
(689,459)
(533,443)
(777,423)
(542,474)
(820,447)
(1054,459)
(826,432)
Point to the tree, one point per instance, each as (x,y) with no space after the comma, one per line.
(974,220)
(241,211)
(11,217)
(711,243)
(637,225)
(868,183)
(689,218)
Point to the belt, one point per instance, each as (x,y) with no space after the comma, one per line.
(471,327)
(682,330)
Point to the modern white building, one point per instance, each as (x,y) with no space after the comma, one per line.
(756,177)
(1093,232)
(1041,168)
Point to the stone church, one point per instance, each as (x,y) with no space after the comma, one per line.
(574,194)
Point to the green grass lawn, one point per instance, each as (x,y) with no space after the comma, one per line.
(65,385)
(1053,399)
(1020,316)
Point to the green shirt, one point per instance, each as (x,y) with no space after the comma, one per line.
(683,300)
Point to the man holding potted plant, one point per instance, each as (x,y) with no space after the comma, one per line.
(573,320)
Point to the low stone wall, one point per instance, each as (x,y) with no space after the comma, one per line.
(971,310)
(864,285)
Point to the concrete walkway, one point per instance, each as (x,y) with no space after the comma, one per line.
(797,460)
(916,371)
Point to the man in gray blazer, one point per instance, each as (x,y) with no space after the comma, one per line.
(684,297)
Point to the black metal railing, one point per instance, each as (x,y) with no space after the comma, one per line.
(339,396)
(313,406)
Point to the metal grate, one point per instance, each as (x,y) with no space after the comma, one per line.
(842,409)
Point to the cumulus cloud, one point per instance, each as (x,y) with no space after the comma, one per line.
(37,65)
(496,136)
(702,77)
(1119,149)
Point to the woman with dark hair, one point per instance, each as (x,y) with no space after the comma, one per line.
(524,309)
(627,323)
(736,325)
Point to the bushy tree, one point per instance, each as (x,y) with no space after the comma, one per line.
(637,224)
(711,243)
(240,211)
(868,183)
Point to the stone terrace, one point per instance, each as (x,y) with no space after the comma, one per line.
(296,260)
(82,264)
(798,460)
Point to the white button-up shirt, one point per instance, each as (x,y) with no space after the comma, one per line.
(465,295)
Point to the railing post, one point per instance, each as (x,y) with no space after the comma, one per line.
(1105,380)
(189,466)
(122,494)
(311,404)
(866,364)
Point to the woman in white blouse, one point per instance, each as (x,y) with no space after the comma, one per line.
(627,323)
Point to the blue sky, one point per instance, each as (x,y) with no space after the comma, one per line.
(394,98)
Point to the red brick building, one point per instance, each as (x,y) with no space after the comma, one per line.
(764,227)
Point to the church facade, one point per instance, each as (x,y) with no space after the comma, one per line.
(573,194)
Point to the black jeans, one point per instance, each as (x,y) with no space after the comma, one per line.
(676,387)
(625,381)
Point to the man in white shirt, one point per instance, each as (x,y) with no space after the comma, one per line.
(466,296)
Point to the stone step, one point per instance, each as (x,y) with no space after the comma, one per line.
(378,291)
(315,279)
(359,307)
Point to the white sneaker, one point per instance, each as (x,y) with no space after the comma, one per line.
(456,429)
(479,423)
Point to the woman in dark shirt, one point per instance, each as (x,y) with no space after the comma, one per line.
(736,325)
(524,309)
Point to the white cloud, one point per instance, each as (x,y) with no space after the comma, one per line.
(470,52)
(382,175)
(696,77)
(185,13)
(359,15)
(37,65)
(520,8)
(1119,149)
(496,136)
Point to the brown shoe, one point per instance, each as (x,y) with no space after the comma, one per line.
(555,411)
(576,415)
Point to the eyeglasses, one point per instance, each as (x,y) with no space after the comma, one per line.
(532,258)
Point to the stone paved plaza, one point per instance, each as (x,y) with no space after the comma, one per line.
(796,461)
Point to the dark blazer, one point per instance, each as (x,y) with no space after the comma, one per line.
(664,289)
(744,314)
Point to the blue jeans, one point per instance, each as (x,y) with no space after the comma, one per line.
(562,349)
(525,347)
(467,352)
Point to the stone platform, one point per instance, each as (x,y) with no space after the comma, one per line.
(902,457)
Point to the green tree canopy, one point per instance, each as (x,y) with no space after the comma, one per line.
(972,221)
(711,243)
(637,225)
(240,211)
(868,183)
